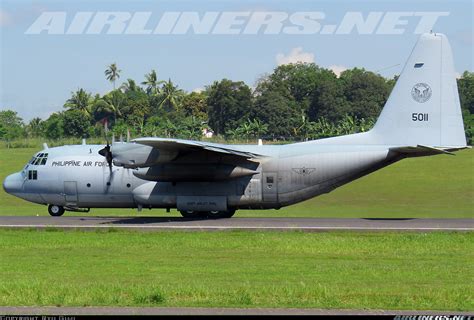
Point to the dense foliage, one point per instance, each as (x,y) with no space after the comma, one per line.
(295,102)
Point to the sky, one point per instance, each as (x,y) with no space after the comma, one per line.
(39,71)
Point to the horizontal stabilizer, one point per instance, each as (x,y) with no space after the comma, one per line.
(419,150)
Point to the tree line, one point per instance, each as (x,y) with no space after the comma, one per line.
(295,102)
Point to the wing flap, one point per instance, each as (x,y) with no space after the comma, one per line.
(189,145)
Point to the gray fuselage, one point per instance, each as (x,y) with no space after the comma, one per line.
(78,177)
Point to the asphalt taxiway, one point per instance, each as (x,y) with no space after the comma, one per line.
(236,223)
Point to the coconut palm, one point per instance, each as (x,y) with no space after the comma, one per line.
(170,95)
(152,83)
(80,100)
(35,127)
(111,104)
(130,85)
(112,73)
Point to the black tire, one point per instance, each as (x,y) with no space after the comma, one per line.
(55,211)
(191,214)
(220,214)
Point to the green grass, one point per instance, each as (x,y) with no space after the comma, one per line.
(238,269)
(438,187)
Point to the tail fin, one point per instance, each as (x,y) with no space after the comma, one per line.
(424,108)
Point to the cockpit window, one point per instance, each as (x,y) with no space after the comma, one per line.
(32,175)
(39,160)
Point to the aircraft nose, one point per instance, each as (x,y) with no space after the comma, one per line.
(13,183)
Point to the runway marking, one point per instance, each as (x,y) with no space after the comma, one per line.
(235,227)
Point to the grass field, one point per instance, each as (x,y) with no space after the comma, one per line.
(238,269)
(259,269)
(439,187)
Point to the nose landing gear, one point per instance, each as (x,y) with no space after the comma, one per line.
(55,211)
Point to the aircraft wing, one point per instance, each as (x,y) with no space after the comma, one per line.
(189,145)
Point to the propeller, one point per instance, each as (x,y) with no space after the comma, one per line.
(106,152)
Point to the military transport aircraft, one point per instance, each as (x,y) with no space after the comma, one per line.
(422,117)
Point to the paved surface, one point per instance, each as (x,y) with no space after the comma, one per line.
(207,311)
(278,224)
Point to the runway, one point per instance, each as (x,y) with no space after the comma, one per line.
(249,224)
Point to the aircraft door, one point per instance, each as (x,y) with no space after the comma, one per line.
(270,187)
(70,192)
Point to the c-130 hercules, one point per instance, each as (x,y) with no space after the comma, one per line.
(422,117)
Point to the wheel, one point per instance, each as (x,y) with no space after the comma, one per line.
(220,214)
(190,214)
(55,211)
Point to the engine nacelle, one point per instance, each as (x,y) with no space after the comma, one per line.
(135,155)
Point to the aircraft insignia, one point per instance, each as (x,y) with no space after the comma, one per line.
(304,171)
(421,92)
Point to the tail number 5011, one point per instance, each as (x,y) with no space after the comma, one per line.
(419,117)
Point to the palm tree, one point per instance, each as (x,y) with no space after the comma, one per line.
(35,127)
(112,73)
(152,83)
(170,95)
(130,85)
(80,100)
(111,104)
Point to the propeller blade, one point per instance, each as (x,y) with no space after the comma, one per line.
(107,153)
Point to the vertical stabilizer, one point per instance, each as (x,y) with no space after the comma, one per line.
(424,107)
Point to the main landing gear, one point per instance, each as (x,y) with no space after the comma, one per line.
(207,214)
(55,211)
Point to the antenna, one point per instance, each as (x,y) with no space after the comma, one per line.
(395,65)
